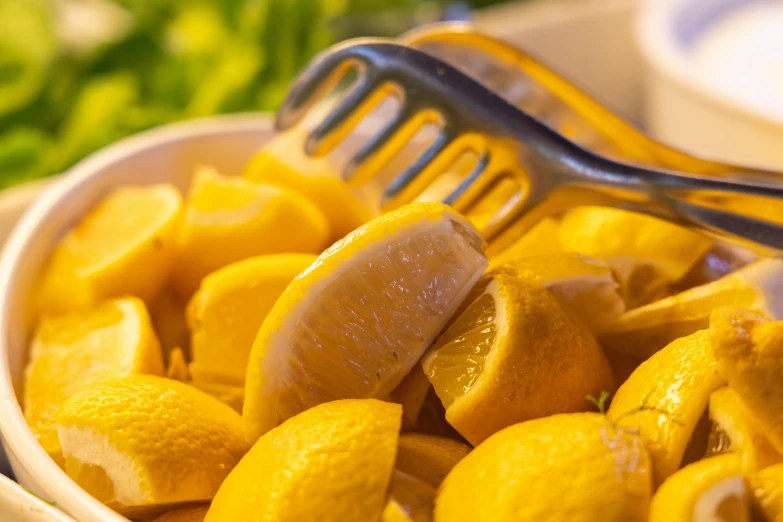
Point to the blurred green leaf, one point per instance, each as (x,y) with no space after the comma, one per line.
(23,153)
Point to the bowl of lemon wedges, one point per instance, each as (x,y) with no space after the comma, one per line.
(195,325)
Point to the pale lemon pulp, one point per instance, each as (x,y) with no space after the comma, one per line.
(462,350)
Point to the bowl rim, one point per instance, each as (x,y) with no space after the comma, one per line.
(23,447)
(654,37)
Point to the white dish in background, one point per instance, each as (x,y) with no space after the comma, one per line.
(168,154)
(689,102)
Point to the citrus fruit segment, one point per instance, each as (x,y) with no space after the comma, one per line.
(74,351)
(226,312)
(185,514)
(395,513)
(229,219)
(143,444)
(539,240)
(167,312)
(665,397)
(708,490)
(415,497)
(735,430)
(645,330)
(331,463)
(316,179)
(519,474)
(429,457)
(354,324)
(646,253)
(125,246)
(583,285)
(749,352)
(767,488)
(513,355)
(411,394)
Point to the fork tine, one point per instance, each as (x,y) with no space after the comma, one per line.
(409,175)
(376,153)
(455,197)
(342,119)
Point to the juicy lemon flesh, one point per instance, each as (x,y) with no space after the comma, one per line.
(342,350)
(462,350)
(91,478)
(718,442)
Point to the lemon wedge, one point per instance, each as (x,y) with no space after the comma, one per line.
(185,514)
(429,457)
(643,331)
(144,445)
(415,498)
(354,324)
(710,490)
(124,246)
(541,239)
(665,398)
(225,314)
(767,488)
(228,219)
(331,463)
(73,351)
(519,474)
(514,354)
(735,430)
(749,351)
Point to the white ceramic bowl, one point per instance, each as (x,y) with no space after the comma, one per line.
(18,505)
(686,110)
(168,154)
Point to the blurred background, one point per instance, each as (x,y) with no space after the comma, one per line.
(76,75)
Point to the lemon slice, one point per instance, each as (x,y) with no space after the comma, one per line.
(711,490)
(429,457)
(415,498)
(646,253)
(125,246)
(665,397)
(229,219)
(185,514)
(584,285)
(395,513)
(514,354)
(233,396)
(572,467)
(355,323)
(331,463)
(643,331)
(539,240)
(749,351)
(734,429)
(280,163)
(767,488)
(73,351)
(143,444)
(225,314)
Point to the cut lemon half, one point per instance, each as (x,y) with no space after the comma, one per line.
(584,285)
(735,430)
(710,490)
(124,246)
(411,394)
(574,467)
(514,354)
(665,398)
(228,219)
(73,351)
(225,314)
(646,253)
(355,323)
(429,457)
(331,463)
(280,162)
(143,445)
(643,331)
(749,351)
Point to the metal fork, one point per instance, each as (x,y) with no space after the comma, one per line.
(551,173)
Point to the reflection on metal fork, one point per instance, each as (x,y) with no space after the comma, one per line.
(551,172)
